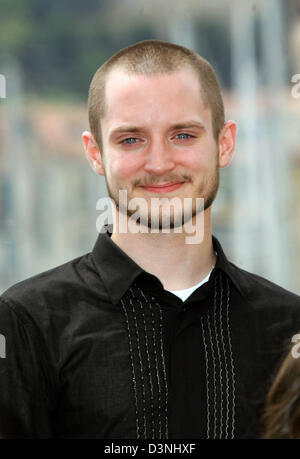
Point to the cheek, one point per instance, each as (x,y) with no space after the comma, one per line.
(204,158)
(195,160)
(125,167)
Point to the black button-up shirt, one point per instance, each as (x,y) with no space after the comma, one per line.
(96,348)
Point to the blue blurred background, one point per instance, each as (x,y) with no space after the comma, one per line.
(49,52)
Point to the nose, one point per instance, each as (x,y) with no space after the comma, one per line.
(159,159)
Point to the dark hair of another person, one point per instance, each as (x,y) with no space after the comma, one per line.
(281,417)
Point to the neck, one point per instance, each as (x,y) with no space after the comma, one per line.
(168,256)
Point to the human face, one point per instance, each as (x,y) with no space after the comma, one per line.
(158,140)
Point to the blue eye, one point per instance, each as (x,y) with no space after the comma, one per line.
(130,140)
(183,136)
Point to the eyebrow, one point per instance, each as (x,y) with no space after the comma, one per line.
(120,130)
(186,125)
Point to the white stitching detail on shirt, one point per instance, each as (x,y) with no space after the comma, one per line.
(221,347)
(149,366)
(231,361)
(156,364)
(164,368)
(214,374)
(225,358)
(207,379)
(141,364)
(219,357)
(133,372)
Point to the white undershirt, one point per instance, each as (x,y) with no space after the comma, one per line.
(184,294)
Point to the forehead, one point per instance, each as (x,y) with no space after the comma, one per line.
(155,99)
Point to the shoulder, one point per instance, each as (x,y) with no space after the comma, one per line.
(54,291)
(269,309)
(44,283)
(263,293)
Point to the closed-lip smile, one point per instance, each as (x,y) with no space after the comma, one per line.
(162,187)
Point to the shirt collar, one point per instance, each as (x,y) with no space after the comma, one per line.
(232,271)
(118,271)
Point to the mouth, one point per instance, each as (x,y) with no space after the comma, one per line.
(163,188)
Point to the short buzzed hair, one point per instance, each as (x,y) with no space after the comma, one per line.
(155,57)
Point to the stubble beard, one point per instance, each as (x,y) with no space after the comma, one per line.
(207,190)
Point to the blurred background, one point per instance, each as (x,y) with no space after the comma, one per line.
(49,52)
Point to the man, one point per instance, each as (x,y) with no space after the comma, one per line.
(149,335)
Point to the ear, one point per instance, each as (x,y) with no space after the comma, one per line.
(227,139)
(92,152)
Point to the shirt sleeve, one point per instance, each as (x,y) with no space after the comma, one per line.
(24,401)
